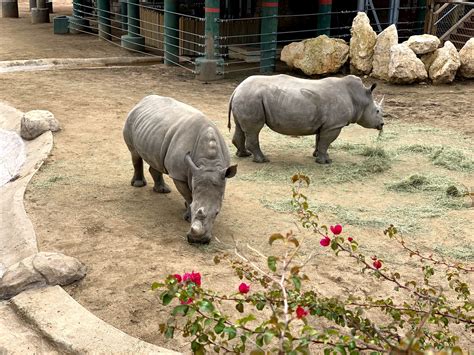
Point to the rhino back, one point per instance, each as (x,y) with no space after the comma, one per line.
(162,130)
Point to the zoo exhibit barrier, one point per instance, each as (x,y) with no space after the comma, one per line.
(451,21)
(207,44)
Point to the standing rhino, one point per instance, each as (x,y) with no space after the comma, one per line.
(178,140)
(300,107)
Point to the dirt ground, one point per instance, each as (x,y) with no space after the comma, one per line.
(81,202)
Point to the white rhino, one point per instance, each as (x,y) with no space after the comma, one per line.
(178,140)
(300,107)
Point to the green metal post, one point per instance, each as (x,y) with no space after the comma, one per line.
(324,19)
(77,22)
(171,34)
(207,67)
(268,36)
(123,14)
(133,40)
(421,14)
(103,14)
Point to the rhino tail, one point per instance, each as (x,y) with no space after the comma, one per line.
(229,126)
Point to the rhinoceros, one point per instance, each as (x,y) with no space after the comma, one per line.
(178,140)
(300,107)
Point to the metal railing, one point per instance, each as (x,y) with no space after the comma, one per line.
(453,21)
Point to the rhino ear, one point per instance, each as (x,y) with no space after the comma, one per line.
(230,171)
(374,85)
(190,163)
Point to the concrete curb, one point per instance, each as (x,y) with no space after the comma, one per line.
(10,66)
(46,320)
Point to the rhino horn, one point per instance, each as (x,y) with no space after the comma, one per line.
(197,228)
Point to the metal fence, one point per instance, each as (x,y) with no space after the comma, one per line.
(452,21)
(227,45)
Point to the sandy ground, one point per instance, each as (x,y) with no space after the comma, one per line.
(82,204)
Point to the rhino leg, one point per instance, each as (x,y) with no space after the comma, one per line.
(238,140)
(324,140)
(138,179)
(160,185)
(315,153)
(184,190)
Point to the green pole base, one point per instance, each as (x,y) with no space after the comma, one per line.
(78,25)
(61,25)
(134,43)
(209,69)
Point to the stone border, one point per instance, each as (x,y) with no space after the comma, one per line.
(46,320)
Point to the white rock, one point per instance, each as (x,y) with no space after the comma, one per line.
(40,270)
(59,269)
(36,122)
(445,64)
(405,67)
(466,55)
(381,59)
(12,155)
(422,44)
(317,56)
(363,39)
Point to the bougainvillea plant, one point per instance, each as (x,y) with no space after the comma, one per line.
(279,310)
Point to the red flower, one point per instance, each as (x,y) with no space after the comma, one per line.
(188,301)
(178,277)
(350,239)
(325,241)
(193,277)
(337,229)
(244,288)
(377,264)
(301,312)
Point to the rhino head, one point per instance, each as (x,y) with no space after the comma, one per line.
(372,116)
(208,186)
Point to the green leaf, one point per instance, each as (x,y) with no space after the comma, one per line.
(231,332)
(294,241)
(274,237)
(166,298)
(169,332)
(271,261)
(219,327)
(182,309)
(240,307)
(156,285)
(245,320)
(295,270)
(257,352)
(206,306)
(297,282)
(217,260)
(267,337)
(260,305)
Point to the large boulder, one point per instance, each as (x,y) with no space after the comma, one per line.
(381,59)
(12,155)
(422,44)
(40,270)
(445,64)
(466,55)
(316,56)
(405,67)
(363,39)
(36,122)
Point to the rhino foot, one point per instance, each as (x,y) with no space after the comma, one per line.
(198,240)
(138,183)
(323,160)
(163,189)
(315,153)
(261,159)
(243,154)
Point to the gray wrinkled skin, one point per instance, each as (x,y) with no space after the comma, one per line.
(300,107)
(178,140)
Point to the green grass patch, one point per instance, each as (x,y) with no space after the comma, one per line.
(461,252)
(418,183)
(446,157)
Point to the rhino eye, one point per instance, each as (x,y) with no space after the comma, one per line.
(217,213)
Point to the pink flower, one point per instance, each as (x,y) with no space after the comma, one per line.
(244,288)
(325,241)
(301,312)
(177,277)
(188,301)
(337,229)
(193,277)
(377,264)
(350,239)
